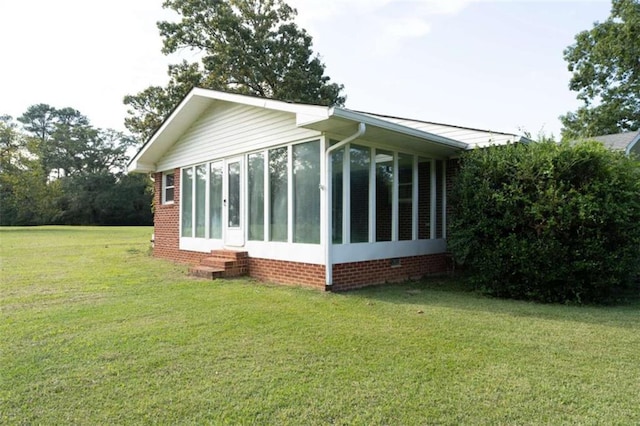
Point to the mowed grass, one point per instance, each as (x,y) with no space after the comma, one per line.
(95,331)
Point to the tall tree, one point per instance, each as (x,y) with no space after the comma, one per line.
(605,62)
(25,197)
(67,144)
(246,46)
(58,168)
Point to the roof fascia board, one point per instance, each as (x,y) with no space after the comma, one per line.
(141,167)
(367,119)
(162,128)
(260,102)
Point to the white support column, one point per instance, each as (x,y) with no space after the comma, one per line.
(207,203)
(194,178)
(266,197)
(290,193)
(325,202)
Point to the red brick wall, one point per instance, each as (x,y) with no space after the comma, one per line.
(284,272)
(166,225)
(348,276)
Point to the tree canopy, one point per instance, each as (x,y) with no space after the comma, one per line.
(56,168)
(250,47)
(605,62)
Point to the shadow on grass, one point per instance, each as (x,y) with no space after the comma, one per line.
(456,293)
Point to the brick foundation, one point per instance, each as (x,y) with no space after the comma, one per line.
(284,272)
(349,276)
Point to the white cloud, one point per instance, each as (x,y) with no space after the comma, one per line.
(385,24)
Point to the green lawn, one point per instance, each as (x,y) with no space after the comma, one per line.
(95,331)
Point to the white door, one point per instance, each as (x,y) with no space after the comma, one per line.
(233,202)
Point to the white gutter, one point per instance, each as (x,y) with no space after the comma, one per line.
(328,263)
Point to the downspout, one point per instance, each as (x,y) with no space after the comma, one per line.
(329,240)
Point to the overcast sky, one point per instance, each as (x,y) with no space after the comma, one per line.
(488,64)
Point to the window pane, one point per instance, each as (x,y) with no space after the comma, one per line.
(234,195)
(306,192)
(168,187)
(201,200)
(256,196)
(405,197)
(337,159)
(384,194)
(215,200)
(424,198)
(439,194)
(186,197)
(360,160)
(168,195)
(278,202)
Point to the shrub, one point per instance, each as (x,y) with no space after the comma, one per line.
(548,222)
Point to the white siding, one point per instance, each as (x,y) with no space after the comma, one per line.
(227,129)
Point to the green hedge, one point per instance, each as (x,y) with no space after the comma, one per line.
(548,222)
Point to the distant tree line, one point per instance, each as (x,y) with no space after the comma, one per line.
(56,168)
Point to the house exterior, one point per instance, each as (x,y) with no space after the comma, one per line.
(303,194)
(629,142)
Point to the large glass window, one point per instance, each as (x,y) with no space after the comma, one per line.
(186,200)
(233,210)
(424,198)
(337,166)
(278,192)
(405,197)
(384,195)
(360,159)
(256,196)
(215,200)
(306,192)
(201,200)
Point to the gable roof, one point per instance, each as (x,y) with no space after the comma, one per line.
(442,140)
(625,141)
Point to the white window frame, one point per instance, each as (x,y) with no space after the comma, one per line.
(165,187)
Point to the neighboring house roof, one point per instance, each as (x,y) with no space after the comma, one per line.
(626,141)
(441,139)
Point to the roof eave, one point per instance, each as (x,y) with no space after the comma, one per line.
(359,117)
